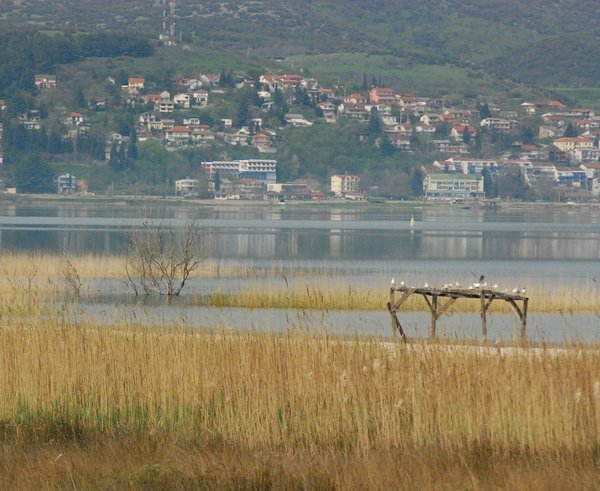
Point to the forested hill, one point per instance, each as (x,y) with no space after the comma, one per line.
(536,41)
(544,16)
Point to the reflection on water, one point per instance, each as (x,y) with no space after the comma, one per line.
(367,233)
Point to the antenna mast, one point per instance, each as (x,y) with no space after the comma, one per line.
(168,23)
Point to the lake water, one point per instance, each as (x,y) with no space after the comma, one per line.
(530,246)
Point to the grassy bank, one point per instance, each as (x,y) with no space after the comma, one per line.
(168,408)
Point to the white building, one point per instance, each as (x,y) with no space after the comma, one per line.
(187,186)
(258,169)
(344,184)
(66,183)
(453,186)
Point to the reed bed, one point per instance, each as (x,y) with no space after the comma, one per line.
(296,399)
(336,294)
(28,281)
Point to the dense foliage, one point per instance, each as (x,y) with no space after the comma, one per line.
(25,53)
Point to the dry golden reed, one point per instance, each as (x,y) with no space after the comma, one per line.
(129,406)
(298,392)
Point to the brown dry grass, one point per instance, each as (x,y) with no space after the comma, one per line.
(140,408)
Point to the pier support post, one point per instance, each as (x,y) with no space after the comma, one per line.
(524,321)
(483,317)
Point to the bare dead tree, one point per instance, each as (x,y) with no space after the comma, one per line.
(159,261)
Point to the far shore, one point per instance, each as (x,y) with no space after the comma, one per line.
(129,200)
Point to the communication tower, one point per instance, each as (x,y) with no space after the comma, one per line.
(168,23)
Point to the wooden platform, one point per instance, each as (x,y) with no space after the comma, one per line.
(439,301)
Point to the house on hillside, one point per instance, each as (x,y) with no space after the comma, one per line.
(178,135)
(45,81)
(135,84)
(382,95)
(567,143)
(457,132)
(182,100)
(200,97)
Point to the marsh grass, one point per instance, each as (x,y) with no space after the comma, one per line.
(327,293)
(30,281)
(296,409)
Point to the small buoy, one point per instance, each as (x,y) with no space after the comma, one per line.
(412,221)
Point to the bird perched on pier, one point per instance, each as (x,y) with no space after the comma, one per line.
(393,282)
(515,290)
(402,283)
(481,278)
(523,291)
(426,285)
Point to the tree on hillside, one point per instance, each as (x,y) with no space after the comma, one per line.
(243,113)
(442,129)
(484,110)
(527,134)
(132,149)
(35,176)
(416,182)
(570,131)
(374,126)
(466,135)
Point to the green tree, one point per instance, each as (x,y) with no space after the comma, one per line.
(570,131)
(466,135)
(484,110)
(442,129)
(374,126)
(527,134)
(416,182)
(243,113)
(35,176)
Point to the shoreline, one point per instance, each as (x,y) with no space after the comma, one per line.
(129,200)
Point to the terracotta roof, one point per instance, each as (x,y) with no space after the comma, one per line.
(574,139)
(179,129)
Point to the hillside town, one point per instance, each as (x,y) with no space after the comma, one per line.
(546,146)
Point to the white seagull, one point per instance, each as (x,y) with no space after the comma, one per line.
(393,282)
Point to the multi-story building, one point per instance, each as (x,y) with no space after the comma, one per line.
(186,187)
(453,186)
(178,135)
(258,169)
(135,84)
(565,144)
(382,95)
(344,184)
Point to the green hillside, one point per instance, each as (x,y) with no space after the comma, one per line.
(511,39)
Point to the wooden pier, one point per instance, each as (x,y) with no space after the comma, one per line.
(439,300)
